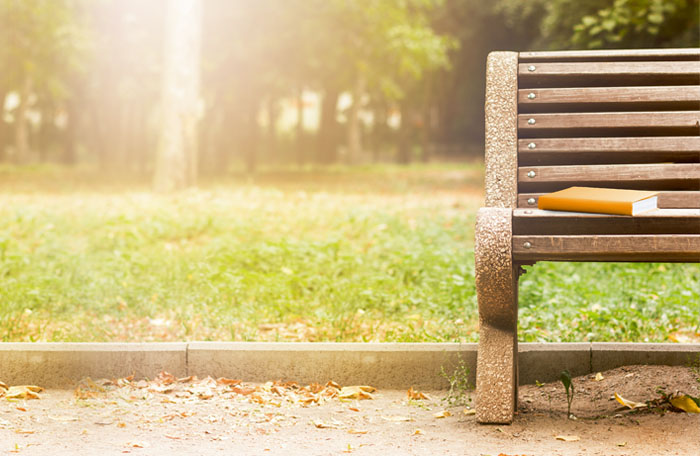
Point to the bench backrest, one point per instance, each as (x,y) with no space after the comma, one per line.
(622,119)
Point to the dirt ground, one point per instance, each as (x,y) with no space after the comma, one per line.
(208,417)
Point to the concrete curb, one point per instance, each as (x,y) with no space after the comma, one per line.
(383,365)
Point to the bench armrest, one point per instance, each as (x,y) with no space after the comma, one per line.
(501,114)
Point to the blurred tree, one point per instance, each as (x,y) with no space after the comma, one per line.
(42,45)
(176,163)
(386,47)
(598,24)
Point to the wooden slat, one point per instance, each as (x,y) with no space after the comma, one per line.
(611,54)
(642,95)
(670,247)
(660,221)
(609,69)
(654,119)
(667,200)
(657,176)
(629,144)
(650,149)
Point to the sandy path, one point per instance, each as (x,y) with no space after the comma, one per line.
(133,420)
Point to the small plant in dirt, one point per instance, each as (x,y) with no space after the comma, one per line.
(568,383)
(460,387)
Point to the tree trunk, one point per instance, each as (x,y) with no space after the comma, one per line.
(272,115)
(354,123)
(251,148)
(404,155)
(21,123)
(176,164)
(3,126)
(328,128)
(300,127)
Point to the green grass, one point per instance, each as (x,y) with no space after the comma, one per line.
(377,254)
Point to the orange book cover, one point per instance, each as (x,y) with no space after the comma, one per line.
(599,200)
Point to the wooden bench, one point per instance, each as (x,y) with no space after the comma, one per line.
(622,119)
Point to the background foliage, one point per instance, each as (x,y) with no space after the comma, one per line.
(80,80)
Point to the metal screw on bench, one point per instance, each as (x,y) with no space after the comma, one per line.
(531,201)
(531,68)
(527,245)
(531,121)
(531,174)
(531,96)
(531,146)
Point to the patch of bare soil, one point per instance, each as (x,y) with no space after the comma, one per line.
(209,417)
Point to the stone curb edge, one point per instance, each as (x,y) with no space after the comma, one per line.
(383,365)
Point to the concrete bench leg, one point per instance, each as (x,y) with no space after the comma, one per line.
(496,287)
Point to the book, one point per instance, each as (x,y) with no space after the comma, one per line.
(599,200)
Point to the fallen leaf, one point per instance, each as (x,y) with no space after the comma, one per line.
(3,386)
(442,414)
(138,444)
(416,395)
(228,381)
(356,392)
(165,378)
(332,384)
(469,411)
(685,403)
(598,377)
(357,431)
(629,404)
(621,444)
(23,392)
(121,424)
(568,438)
(24,431)
(323,425)
(419,431)
(163,389)
(170,436)
(243,390)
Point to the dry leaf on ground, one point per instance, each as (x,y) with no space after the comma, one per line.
(685,403)
(442,414)
(356,392)
(599,377)
(629,404)
(568,438)
(469,411)
(23,392)
(419,431)
(416,395)
(320,424)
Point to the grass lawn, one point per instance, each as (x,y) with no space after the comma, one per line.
(345,254)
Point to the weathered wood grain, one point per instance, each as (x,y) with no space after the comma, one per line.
(668,247)
(650,149)
(629,95)
(609,120)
